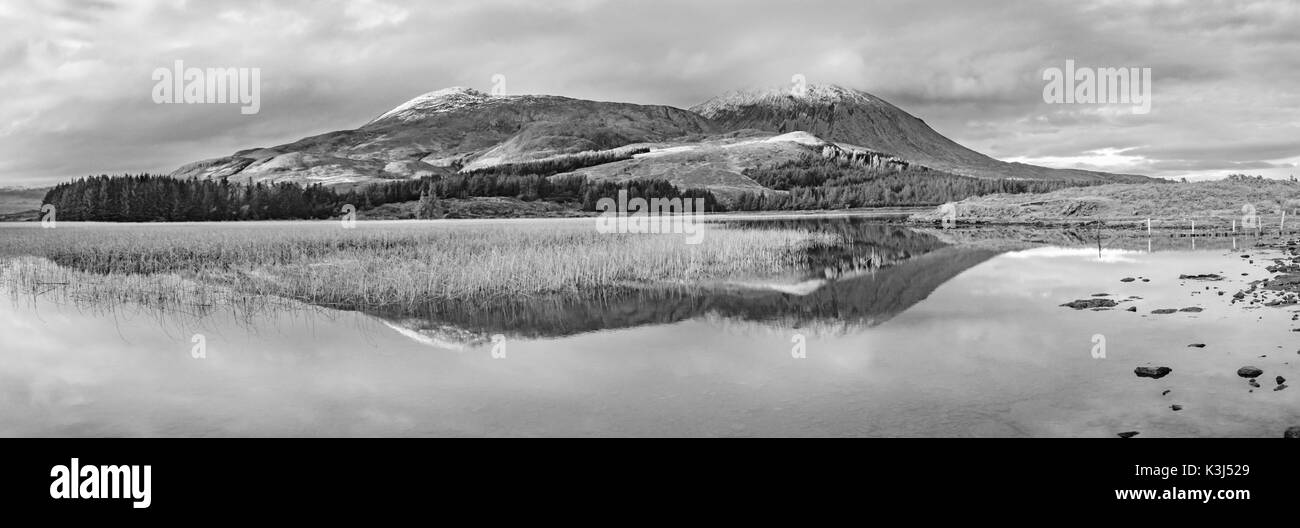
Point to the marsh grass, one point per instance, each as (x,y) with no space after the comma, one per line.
(379,263)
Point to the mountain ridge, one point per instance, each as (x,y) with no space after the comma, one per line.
(837,114)
(442,131)
(460,129)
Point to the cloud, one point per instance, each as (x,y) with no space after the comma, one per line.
(76,74)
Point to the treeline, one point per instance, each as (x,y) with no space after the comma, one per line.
(1246,178)
(563,163)
(575,190)
(814,182)
(527,188)
(647,189)
(156,198)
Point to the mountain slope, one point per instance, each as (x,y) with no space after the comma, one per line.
(460,129)
(17,199)
(851,116)
(443,131)
(719,162)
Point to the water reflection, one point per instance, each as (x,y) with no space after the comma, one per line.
(876,272)
(913,333)
(848,302)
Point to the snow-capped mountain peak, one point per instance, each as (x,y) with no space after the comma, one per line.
(437,101)
(781,96)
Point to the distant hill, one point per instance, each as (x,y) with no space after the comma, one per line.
(1217,203)
(19,200)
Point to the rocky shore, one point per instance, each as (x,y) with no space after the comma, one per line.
(1278,261)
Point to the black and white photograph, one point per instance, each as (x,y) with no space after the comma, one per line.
(885,220)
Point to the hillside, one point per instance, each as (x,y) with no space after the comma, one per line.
(855,117)
(720,163)
(444,131)
(20,200)
(1217,203)
(463,130)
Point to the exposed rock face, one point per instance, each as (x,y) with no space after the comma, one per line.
(865,158)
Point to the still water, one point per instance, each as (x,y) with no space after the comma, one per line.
(902,333)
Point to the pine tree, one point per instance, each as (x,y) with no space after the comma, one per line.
(430,207)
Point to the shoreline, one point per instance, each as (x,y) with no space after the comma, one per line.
(1210,222)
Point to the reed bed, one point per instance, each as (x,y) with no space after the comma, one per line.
(380,263)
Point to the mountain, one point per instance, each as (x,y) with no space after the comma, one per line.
(855,117)
(712,145)
(20,199)
(448,130)
(720,162)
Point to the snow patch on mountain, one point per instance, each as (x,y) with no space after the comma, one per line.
(780,97)
(800,137)
(436,102)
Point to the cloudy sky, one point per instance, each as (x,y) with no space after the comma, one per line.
(76,86)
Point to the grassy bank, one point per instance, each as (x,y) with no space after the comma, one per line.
(476,208)
(1216,204)
(380,263)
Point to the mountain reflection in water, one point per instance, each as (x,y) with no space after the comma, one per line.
(875,273)
(908,332)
